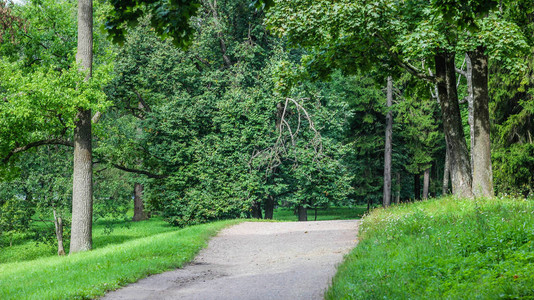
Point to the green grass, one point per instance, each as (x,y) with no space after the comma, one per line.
(105,232)
(91,274)
(442,249)
(332,213)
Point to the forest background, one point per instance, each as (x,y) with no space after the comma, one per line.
(247,117)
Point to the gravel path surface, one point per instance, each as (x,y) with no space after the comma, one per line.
(256,260)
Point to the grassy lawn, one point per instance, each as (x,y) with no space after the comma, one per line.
(105,232)
(120,258)
(442,249)
(332,213)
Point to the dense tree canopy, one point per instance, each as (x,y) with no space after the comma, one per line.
(211,109)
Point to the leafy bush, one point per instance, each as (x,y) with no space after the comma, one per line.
(513,169)
(445,248)
(15,218)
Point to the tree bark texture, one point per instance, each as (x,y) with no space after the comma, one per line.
(426,183)
(417,186)
(139,207)
(470,117)
(386,201)
(446,171)
(269,207)
(397,197)
(302,213)
(82,187)
(58,224)
(460,167)
(481,151)
(256,210)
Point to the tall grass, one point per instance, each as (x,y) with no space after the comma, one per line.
(91,274)
(442,249)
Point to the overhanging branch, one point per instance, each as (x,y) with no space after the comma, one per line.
(37,144)
(137,171)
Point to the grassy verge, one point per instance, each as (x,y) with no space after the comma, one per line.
(442,249)
(91,274)
(332,213)
(105,232)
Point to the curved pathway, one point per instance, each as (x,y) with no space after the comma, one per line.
(256,260)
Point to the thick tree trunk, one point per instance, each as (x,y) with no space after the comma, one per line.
(256,210)
(481,151)
(386,200)
(397,198)
(417,186)
(302,213)
(426,183)
(269,207)
(58,224)
(139,207)
(446,173)
(460,167)
(82,188)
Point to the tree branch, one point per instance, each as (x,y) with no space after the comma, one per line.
(37,144)
(406,65)
(137,171)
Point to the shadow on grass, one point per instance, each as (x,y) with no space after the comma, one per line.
(105,240)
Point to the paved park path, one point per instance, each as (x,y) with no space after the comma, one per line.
(256,260)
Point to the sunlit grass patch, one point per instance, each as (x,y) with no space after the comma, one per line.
(91,274)
(443,248)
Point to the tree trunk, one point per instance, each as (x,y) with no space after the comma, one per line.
(470,115)
(269,207)
(58,224)
(139,207)
(256,210)
(446,173)
(386,201)
(302,213)
(481,151)
(397,198)
(82,187)
(426,183)
(417,186)
(460,167)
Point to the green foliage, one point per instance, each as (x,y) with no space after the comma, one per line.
(204,121)
(168,18)
(15,217)
(444,248)
(513,169)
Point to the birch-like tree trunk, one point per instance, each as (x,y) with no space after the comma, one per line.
(481,148)
(387,153)
(460,166)
(426,183)
(82,187)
